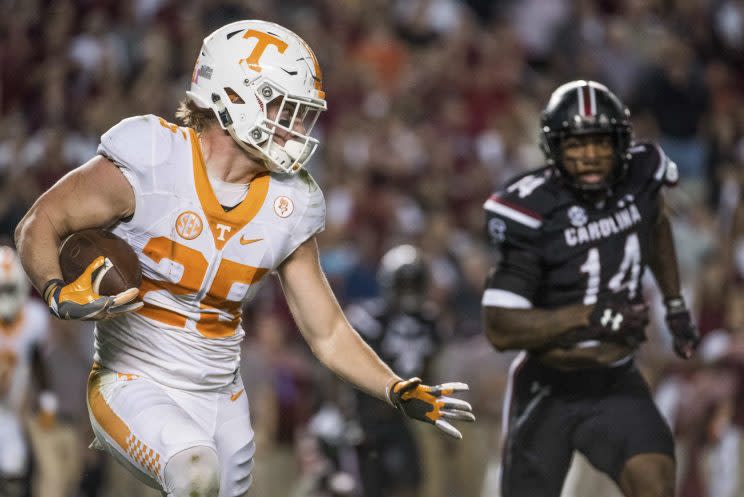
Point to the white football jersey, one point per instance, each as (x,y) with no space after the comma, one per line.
(199,262)
(17,342)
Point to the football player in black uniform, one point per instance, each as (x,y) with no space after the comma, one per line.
(575,237)
(401,326)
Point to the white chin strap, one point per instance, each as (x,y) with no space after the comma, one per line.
(281,159)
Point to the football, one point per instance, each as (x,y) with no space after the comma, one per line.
(80,249)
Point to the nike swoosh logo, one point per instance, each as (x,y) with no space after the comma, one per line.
(246,241)
(237,394)
(291,73)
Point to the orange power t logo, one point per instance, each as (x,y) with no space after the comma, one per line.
(263,40)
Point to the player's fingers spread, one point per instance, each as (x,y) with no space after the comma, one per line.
(448,429)
(458,415)
(451,387)
(452,403)
(126,296)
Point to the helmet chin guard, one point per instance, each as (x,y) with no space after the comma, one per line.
(264,85)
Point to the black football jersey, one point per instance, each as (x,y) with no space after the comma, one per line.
(558,249)
(406,342)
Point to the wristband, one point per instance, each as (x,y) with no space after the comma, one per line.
(50,286)
(675,303)
(389,390)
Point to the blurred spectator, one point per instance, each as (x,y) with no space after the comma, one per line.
(674,93)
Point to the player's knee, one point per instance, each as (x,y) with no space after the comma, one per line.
(194,472)
(661,488)
(649,476)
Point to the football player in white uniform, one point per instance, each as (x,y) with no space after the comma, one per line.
(23,329)
(210,209)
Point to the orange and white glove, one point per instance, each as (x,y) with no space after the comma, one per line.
(431,404)
(81,300)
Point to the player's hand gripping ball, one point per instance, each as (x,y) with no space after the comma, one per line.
(101,277)
(431,404)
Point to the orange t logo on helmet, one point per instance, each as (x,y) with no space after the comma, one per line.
(263,40)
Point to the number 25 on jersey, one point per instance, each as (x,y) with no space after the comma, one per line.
(218,315)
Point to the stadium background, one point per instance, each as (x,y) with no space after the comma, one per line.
(432,104)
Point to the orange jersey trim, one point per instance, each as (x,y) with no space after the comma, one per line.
(224,225)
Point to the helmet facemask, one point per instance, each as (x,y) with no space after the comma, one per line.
(573,178)
(292,121)
(582,108)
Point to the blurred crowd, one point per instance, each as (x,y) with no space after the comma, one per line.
(431,105)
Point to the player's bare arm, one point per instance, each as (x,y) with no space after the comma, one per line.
(94,195)
(663,260)
(530,329)
(324,326)
(552,335)
(340,348)
(663,264)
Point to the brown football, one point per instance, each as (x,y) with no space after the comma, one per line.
(80,249)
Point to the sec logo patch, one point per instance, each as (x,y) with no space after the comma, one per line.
(189,225)
(577,215)
(283,206)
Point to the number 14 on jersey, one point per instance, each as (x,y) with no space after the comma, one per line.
(626,277)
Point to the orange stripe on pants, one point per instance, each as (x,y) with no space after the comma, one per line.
(103,414)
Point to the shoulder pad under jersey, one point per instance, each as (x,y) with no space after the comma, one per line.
(650,165)
(303,196)
(138,144)
(514,212)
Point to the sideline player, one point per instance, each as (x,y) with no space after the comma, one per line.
(211,209)
(24,324)
(575,237)
(401,326)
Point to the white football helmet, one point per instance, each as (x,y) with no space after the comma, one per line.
(14,285)
(247,64)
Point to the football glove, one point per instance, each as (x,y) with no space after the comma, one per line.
(684,331)
(613,319)
(616,319)
(431,404)
(80,299)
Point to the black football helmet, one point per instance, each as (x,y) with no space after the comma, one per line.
(403,278)
(586,108)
